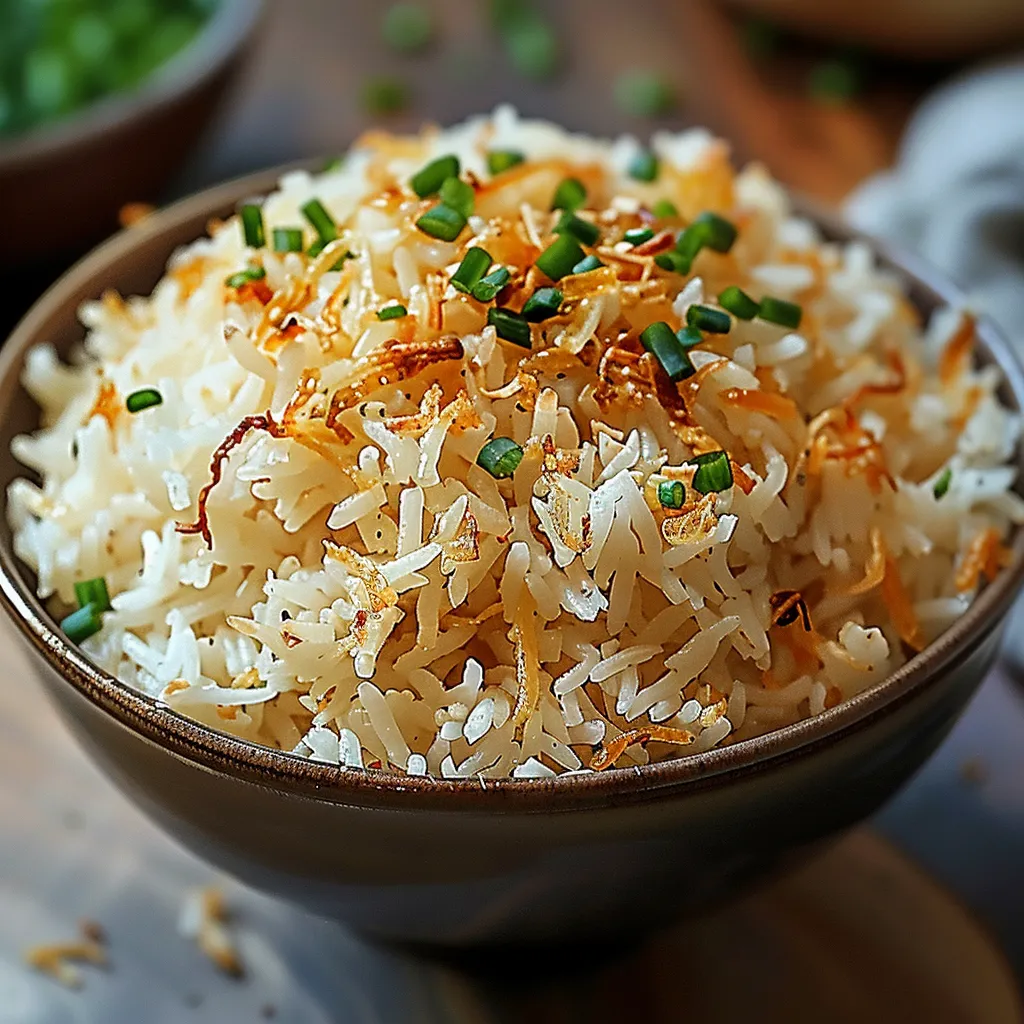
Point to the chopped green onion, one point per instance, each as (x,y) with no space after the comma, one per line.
(82,624)
(407,27)
(690,242)
(637,236)
(643,93)
(334,164)
(93,592)
(487,288)
(779,311)
(427,181)
(672,493)
(835,81)
(499,160)
(942,484)
(587,264)
(673,261)
(644,166)
(738,302)
(144,398)
(316,213)
(384,94)
(582,230)
(570,195)
(252,226)
(690,337)
(393,312)
(458,195)
(716,232)
(704,318)
(660,340)
(664,208)
(543,303)
(442,222)
(509,325)
(500,457)
(560,257)
(244,277)
(713,472)
(471,270)
(287,239)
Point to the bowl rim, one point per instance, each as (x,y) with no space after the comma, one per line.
(232,24)
(219,752)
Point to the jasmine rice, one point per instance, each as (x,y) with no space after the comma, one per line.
(500,451)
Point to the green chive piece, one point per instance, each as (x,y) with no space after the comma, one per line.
(716,232)
(570,195)
(738,302)
(442,222)
(835,81)
(252,225)
(689,337)
(407,27)
(781,312)
(637,236)
(471,270)
(690,242)
(93,592)
(427,181)
(941,485)
(82,624)
(664,208)
(643,93)
(144,398)
(673,261)
(244,277)
(334,164)
(509,325)
(458,195)
(316,213)
(582,230)
(487,288)
(660,340)
(384,94)
(705,318)
(500,457)
(499,160)
(287,239)
(644,166)
(587,264)
(713,472)
(672,493)
(543,303)
(393,312)
(560,257)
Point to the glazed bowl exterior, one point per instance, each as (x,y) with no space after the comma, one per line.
(122,148)
(471,862)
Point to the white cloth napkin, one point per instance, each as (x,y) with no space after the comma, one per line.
(956,197)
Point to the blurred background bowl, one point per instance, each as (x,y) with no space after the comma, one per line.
(63,183)
(597,858)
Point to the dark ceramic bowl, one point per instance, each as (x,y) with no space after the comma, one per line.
(61,185)
(461,862)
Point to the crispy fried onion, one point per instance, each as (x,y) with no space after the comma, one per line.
(985,556)
(525,384)
(609,753)
(836,434)
(107,404)
(262,421)
(874,569)
(694,524)
(460,413)
(788,606)
(893,387)
(564,515)
(395,361)
(374,592)
(768,403)
(458,535)
(622,374)
(956,356)
(524,637)
(897,600)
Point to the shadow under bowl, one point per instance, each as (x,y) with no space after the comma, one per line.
(464,863)
(62,185)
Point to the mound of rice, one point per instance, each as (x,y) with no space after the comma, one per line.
(303,550)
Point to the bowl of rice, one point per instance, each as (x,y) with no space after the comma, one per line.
(502,531)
